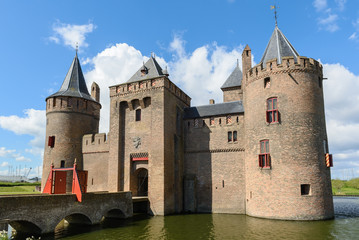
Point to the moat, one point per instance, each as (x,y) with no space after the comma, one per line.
(221,226)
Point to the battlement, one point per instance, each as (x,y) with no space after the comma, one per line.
(95,143)
(72,104)
(288,65)
(214,121)
(149,85)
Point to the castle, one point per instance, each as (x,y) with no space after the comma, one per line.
(261,152)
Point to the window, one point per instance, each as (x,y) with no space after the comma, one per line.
(51,141)
(320,82)
(232,136)
(267,82)
(272,110)
(62,164)
(305,189)
(229,136)
(138,115)
(229,119)
(264,156)
(211,122)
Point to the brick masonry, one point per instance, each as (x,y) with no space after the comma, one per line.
(193,167)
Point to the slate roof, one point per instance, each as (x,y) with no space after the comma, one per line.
(235,79)
(74,84)
(278,47)
(214,110)
(153,70)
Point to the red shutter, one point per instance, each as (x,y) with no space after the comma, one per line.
(51,141)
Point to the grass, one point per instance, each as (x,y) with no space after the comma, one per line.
(7,188)
(343,187)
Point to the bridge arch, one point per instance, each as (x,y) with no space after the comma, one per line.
(115,213)
(24,226)
(78,218)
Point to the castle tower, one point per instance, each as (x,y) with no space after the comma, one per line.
(70,113)
(146,138)
(285,136)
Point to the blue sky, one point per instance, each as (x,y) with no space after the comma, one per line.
(199,41)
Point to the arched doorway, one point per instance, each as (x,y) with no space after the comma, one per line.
(142,182)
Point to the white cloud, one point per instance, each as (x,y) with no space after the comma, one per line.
(341,4)
(342,115)
(112,66)
(353,36)
(33,124)
(201,73)
(329,23)
(71,34)
(4,164)
(12,154)
(320,4)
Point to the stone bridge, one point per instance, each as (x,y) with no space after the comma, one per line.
(41,213)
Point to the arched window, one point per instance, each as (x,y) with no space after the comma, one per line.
(272,110)
(138,115)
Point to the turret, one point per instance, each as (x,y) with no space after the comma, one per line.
(286,173)
(70,113)
(232,87)
(246,60)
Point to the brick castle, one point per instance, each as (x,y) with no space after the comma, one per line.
(261,152)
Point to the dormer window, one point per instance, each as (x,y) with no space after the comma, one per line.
(144,70)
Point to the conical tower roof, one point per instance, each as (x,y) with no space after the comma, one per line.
(150,69)
(278,47)
(235,79)
(74,84)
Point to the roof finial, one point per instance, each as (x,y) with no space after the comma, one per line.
(77,47)
(275,13)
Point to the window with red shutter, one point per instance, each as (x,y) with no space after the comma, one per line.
(264,156)
(272,110)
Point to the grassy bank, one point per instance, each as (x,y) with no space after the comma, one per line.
(345,187)
(7,188)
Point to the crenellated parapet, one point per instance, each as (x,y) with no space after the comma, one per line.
(73,104)
(147,85)
(287,66)
(95,143)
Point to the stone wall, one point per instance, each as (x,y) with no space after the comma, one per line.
(214,166)
(295,142)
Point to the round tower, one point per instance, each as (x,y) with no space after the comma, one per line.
(286,139)
(70,113)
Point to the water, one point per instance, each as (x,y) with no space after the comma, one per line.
(222,226)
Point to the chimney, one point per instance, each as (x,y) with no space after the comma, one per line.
(211,101)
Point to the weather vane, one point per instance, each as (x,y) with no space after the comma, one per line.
(275,13)
(77,47)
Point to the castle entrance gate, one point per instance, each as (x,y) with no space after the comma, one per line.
(142,182)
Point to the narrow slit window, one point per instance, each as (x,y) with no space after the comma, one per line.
(62,164)
(267,82)
(234,136)
(138,115)
(229,136)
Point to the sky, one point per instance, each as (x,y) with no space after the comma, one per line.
(199,41)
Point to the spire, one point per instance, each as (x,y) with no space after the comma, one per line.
(235,79)
(278,47)
(74,84)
